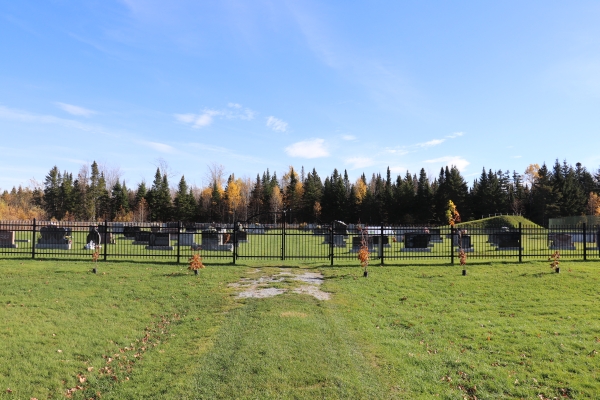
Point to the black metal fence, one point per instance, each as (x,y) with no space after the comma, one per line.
(336,241)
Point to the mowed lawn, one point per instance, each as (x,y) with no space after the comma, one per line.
(137,330)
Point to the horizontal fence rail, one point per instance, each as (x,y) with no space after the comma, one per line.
(177,241)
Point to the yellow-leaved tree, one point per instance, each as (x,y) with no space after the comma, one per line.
(593,204)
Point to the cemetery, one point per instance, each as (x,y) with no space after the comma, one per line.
(332,242)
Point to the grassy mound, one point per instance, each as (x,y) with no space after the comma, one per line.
(503,220)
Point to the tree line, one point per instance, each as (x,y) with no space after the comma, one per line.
(538,194)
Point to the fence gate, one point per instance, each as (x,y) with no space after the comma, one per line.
(272,235)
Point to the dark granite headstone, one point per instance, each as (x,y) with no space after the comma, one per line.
(142,237)
(130,231)
(54,237)
(7,239)
(415,240)
(508,240)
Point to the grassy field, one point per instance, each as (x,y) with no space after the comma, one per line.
(136,330)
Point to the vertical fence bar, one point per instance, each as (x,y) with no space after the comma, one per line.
(235,241)
(105,236)
(331,252)
(520,243)
(178,241)
(381,245)
(33,241)
(283,235)
(452,245)
(584,242)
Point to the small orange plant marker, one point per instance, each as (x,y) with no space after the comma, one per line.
(454,217)
(554,258)
(95,256)
(363,252)
(195,263)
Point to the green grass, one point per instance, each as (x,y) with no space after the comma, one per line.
(139,330)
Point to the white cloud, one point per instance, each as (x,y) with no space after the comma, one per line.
(75,110)
(277,124)
(455,135)
(161,147)
(23,116)
(207,116)
(431,143)
(359,162)
(349,137)
(449,161)
(313,148)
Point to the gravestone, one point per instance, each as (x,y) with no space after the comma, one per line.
(242,237)
(436,235)
(213,240)
(142,237)
(172,228)
(417,242)
(465,243)
(117,227)
(508,240)
(338,240)
(105,237)
(357,242)
(130,231)
(159,241)
(7,239)
(561,241)
(93,236)
(340,228)
(53,237)
(191,227)
(256,229)
(186,239)
(385,242)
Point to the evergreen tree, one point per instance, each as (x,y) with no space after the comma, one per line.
(184,202)
(52,192)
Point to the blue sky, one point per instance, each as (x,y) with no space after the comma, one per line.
(260,84)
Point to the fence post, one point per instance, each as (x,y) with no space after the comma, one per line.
(331,252)
(33,241)
(520,243)
(584,242)
(381,245)
(452,245)
(283,235)
(235,241)
(178,240)
(105,236)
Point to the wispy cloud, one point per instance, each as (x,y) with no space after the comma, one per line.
(455,135)
(349,137)
(24,116)
(75,110)
(160,147)
(431,143)
(314,148)
(449,161)
(207,116)
(359,162)
(277,124)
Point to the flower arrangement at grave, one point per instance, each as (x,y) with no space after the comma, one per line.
(363,252)
(195,263)
(453,217)
(554,261)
